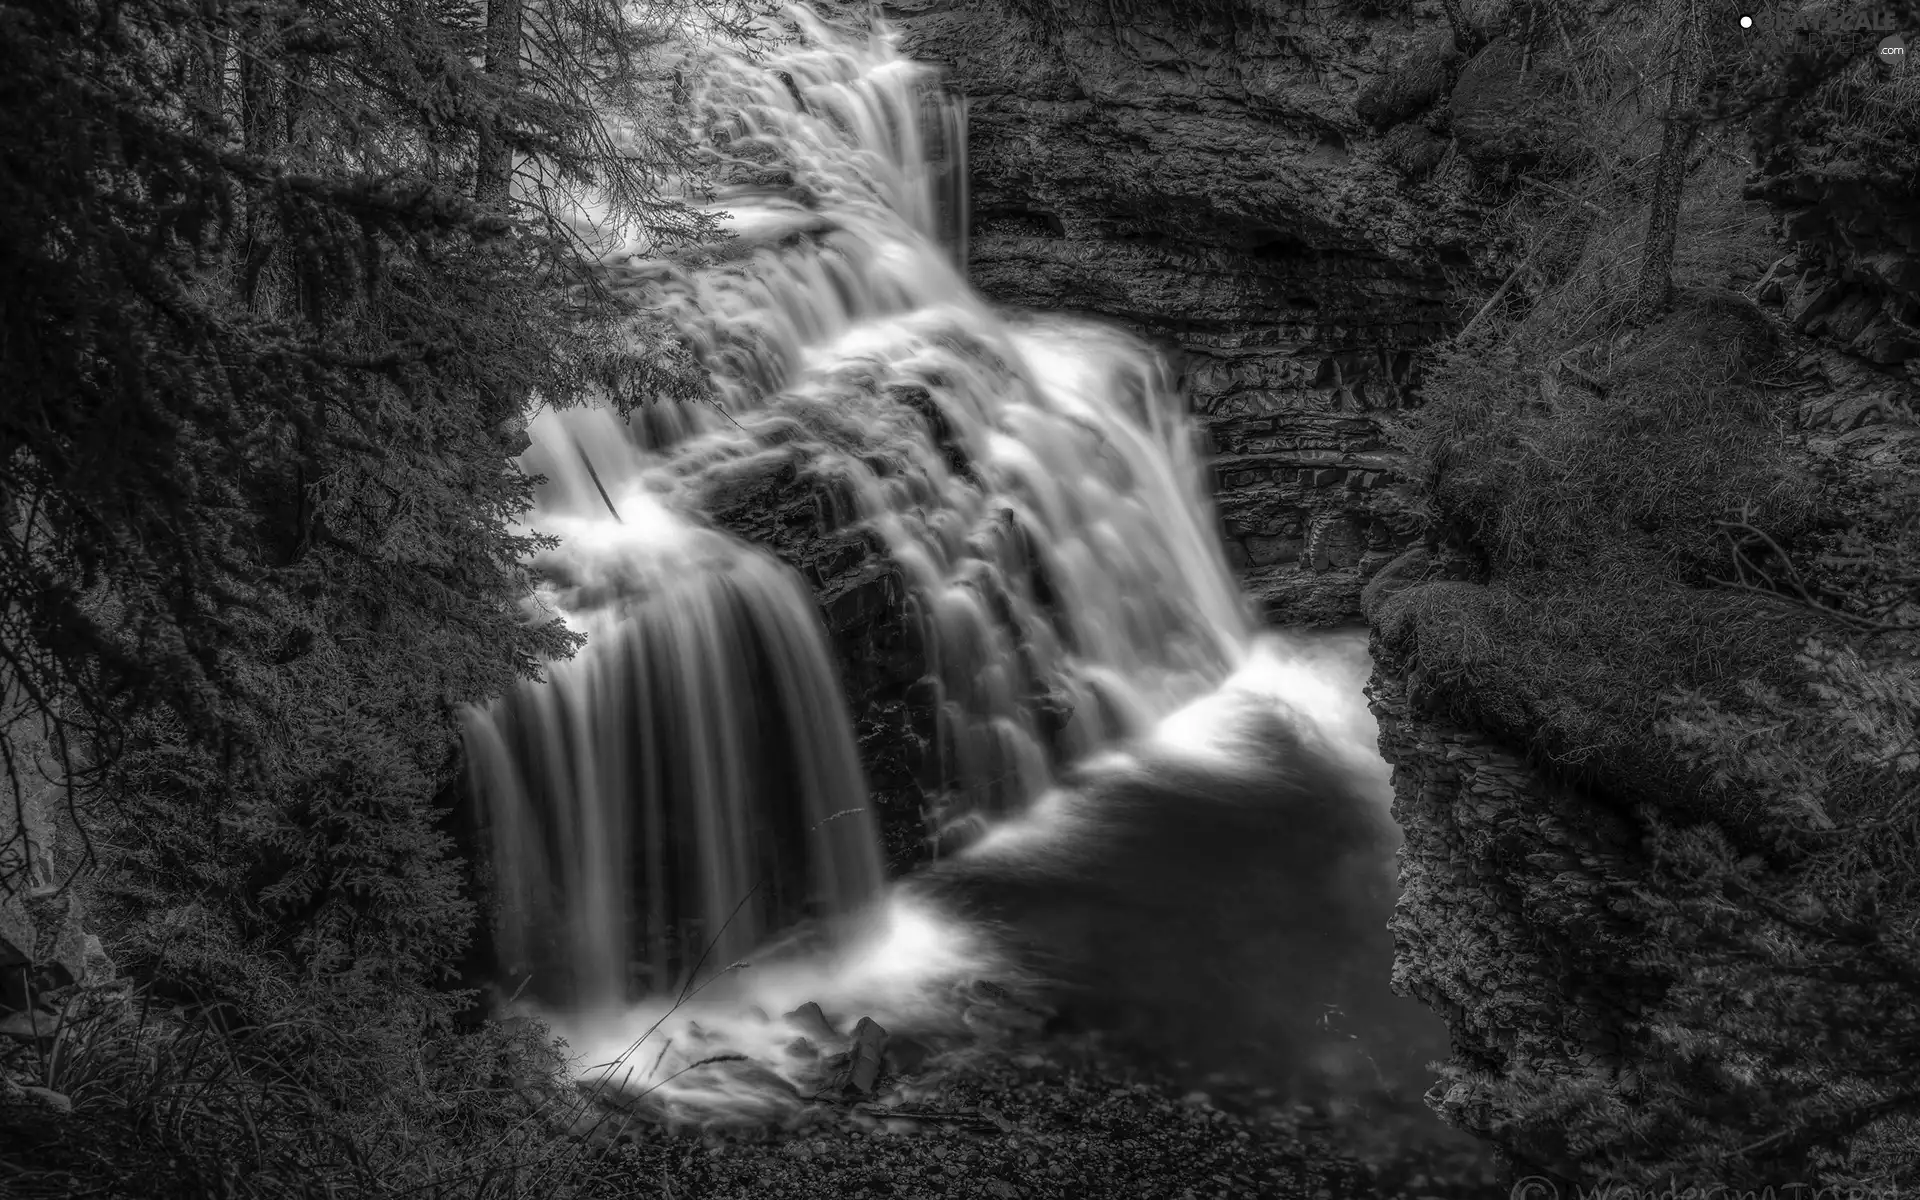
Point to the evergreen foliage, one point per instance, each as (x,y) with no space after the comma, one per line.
(270,346)
(267,361)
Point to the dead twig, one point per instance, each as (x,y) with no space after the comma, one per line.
(1499,293)
(1801,597)
(1863,624)
(1582,201)
(598,486)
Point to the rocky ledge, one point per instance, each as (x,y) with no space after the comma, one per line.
(1505,924)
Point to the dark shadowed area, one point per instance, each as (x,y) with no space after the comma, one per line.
(1221,911)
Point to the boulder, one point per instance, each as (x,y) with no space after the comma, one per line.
(67,964)
(1502,106)
(864,1059)
(1412,151)
(813,1023)
(1415,81)
(47,1098)
(30,1025)
(16,934)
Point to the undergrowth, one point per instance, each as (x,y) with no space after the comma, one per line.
(1589,466)
(1678,603)
(203,1108)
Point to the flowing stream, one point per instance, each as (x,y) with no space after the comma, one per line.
(1162,804)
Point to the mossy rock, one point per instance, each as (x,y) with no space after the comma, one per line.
(1412,151)
(1415,80)
(1577,668)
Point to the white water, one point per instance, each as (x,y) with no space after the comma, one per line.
(1035,482)
(693,759)
(1074,552)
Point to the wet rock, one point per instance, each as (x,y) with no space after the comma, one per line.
(813,1023)
(907,1055)
(864,1059)
(1052,711)
(779,501)
(512,435)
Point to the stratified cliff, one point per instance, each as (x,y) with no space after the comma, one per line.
(1210,175)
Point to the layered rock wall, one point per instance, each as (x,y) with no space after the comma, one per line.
(1204,174)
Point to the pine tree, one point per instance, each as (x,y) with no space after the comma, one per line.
(266,352)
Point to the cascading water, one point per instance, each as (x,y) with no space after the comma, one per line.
(1034,478)
(1035,482)
(688,783)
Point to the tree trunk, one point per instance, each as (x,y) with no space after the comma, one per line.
(1680,129)
(1463,35)
(494,174)
(263,128)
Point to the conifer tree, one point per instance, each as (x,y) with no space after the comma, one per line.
(266,350)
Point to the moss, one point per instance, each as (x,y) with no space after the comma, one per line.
(1578,667)
(1551,472)
(1597,496)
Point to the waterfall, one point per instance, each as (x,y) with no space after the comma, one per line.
(688,783)
(1034,480)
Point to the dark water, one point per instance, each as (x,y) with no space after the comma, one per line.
(1224,923)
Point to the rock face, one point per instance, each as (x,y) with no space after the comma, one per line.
(1210,175)
(781,501)
(1503,925)
(1848,190)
